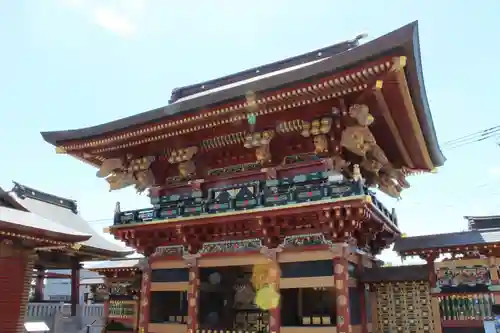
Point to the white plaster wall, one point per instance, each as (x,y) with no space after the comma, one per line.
(60,289)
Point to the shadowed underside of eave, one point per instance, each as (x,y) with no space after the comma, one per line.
(403,40)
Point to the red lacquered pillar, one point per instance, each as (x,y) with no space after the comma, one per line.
(193,292)
(340,273)
(75,286)
(145,294)
(362,299)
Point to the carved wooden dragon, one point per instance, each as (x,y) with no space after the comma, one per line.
(121,173)
(359,140)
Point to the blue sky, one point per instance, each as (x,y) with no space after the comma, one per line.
(74,63)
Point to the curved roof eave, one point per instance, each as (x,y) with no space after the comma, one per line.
(405,38)
(422,102)
(122,253)
(129,263)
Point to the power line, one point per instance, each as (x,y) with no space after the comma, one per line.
(472,138)
(472,135)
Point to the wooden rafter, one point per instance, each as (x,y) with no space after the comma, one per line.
(384,110)
(397,69)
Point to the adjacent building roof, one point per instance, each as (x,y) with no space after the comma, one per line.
(483,222)
(63,215)
(13,217)
(92,281)
(396,274)
(122,264)
(31,223)
(447,241)
(341,57)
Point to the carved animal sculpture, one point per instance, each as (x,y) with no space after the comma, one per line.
(398,175)
(326,125)
(109,166)
(266,138)
(186,169)
(371,165)
(184,157)
(306,129)
(190,152)
(125,172)
(120,180)
(377,154)
(361,113)
(317,127)
(387,185)
(357,139)
(320,144)
(144,180)
(263,154)
(337,164)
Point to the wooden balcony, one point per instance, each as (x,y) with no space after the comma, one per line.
(258,195)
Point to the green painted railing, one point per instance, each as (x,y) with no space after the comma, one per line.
(475,306)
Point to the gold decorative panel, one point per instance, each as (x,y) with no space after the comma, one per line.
(404,307)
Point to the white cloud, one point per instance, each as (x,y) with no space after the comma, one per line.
(117,16)
(494,171)
(111,19)
(74,3)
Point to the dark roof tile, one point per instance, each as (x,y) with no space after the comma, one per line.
(395,274)
(473,237)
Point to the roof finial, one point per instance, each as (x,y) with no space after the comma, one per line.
(117,208)
(360,37)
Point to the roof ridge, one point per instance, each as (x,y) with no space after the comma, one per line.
(482,217)
(300,59)
(117,259)
(23,191)
(420,236)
